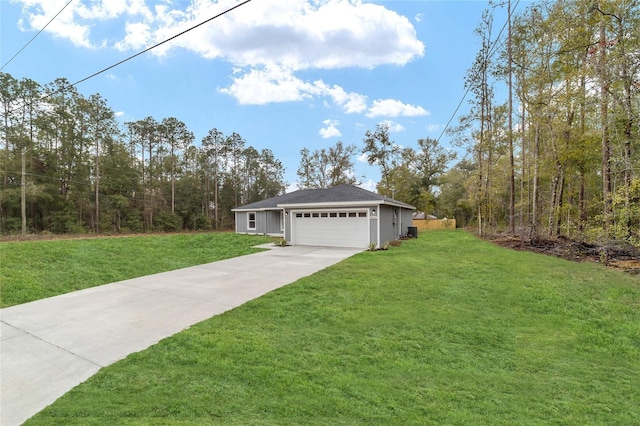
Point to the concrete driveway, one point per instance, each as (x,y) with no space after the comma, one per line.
(49,346)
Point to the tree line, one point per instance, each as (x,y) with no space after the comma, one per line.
(551,141)
(68,166)
(556,153)
(407,174)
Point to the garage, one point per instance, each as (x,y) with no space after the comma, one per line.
(331,228)
(340,216)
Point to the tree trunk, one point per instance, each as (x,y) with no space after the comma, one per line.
(606,144)
(534,201)
(512,178)
(97,178)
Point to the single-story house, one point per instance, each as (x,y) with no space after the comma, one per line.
(341,216)
(423,216)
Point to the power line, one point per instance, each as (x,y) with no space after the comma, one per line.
(142,51)
(161,43)
(37,34)
(464,96)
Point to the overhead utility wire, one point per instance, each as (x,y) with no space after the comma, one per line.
(161,43)
(37,34)
(147,49)
(464,96)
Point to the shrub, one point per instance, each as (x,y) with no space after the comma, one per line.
(168,222)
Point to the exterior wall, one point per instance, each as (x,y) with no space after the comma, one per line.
(261,223)
(393,225)
(387,224)
(384,225)
(373,226)
(407,221)
(273,222)
(242,223)
(287,225)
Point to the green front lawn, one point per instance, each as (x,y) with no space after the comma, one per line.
(33,270)
(445,329)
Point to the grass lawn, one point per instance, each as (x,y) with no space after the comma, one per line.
(33,270)
(445,329)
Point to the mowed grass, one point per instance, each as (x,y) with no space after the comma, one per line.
(33,270)
(445,329)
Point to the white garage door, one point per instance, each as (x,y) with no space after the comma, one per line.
(335,228)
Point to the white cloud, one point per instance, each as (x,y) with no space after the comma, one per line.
(434,128)
(362,158)
(77,18)
(394,108)
(330,131)
(298,34)
(393,127)
(119,114)
(267,42)
(267,85)
(259,86)
(62,27)
(350,102)
(419,17)
(272,84)
(369,185)
(137,34)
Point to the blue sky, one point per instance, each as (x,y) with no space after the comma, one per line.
(284,74)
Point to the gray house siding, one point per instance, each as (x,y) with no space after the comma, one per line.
(387,225)
(267,222)
(407,220)
(389,222)
(241,222)
(273,222)
(373,226)
(261,223)
(394,223)
(287,224)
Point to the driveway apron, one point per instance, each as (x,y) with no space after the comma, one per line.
(49,346)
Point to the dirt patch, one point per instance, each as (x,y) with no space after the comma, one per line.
(614,254)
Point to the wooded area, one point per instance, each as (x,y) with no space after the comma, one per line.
(68,166)
(559,155)
(551,141)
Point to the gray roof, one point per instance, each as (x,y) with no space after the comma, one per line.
(336,194)
(423,216)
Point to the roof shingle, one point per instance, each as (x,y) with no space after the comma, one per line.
(337,194)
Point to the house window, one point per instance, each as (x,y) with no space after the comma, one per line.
(362,214)
(343,214)
(251,221)
(352,214)
(333,214)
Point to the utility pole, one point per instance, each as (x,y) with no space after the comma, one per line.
(23,199)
